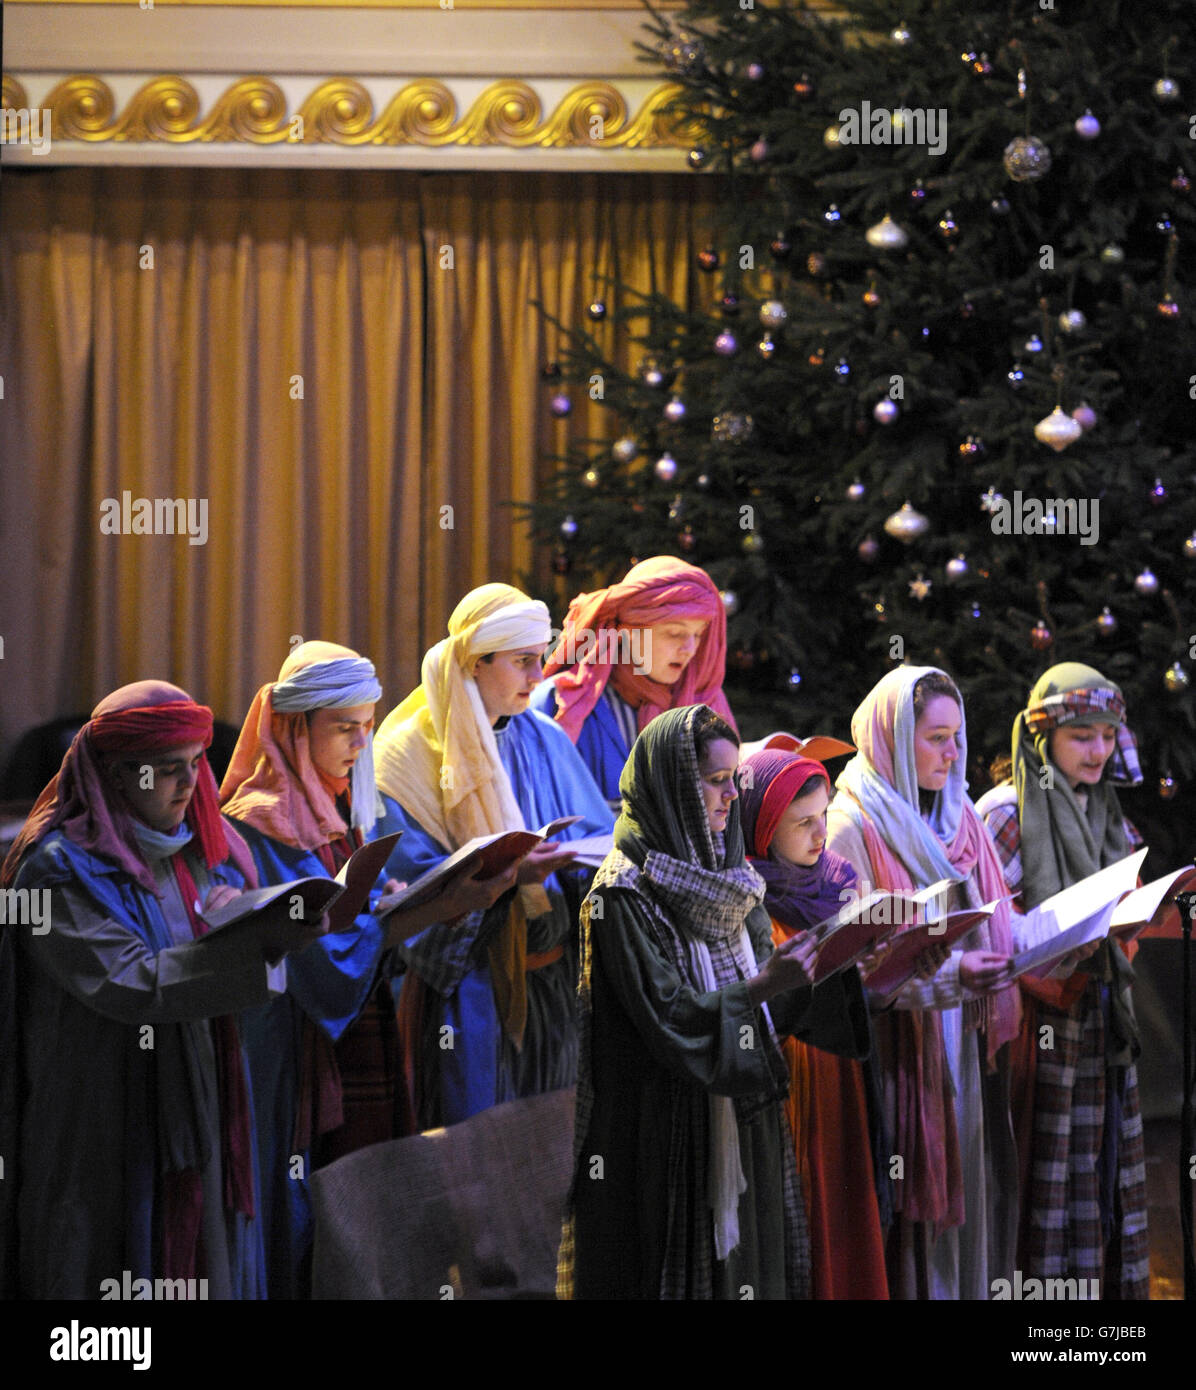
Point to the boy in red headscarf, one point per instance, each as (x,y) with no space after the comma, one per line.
(130,1135)
(783,799)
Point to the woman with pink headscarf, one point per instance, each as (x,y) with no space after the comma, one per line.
(903,819)
(655,641)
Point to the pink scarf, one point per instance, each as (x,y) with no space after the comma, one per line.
(882,781)
(272,783)
(145,717)
(880,786)
(660,590)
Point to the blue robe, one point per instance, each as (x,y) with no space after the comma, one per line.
(601,744)
(482,1068)
(327,983)
(106,1028)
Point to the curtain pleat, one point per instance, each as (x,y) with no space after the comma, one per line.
(346,367)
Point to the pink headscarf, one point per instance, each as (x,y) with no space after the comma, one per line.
(910,851)
(661,590)
(271,782)
(145,717)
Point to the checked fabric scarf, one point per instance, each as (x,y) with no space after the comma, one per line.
(698,891)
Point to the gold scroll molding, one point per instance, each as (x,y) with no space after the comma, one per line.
(254,110)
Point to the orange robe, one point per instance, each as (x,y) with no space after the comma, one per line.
(828,1113)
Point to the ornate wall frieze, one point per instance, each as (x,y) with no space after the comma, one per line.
(592,115)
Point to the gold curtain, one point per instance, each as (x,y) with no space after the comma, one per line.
(346,366)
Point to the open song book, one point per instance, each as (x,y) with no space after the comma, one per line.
(482,857)
(341,897)
(905,951)
(1104,904)
(860,927)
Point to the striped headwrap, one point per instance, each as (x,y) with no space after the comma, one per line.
(1089,704)
(271,782)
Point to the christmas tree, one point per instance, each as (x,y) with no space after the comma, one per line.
(936,403)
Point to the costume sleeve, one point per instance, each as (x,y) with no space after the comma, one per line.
(416,851)
(331,978)
(833,1016)
(109,968)
(1005,829)
(943,990)
(1003,824)
(714,1038)
(444,953)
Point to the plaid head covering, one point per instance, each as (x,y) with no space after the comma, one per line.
(1062,843)
(1093,704)
(699,892)
(1062,840)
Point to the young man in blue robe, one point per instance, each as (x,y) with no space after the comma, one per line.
(300,788)
(128,1120)
(487,1007)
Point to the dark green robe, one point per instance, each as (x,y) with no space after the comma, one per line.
(659,1049)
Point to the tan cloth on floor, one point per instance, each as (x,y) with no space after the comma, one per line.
(471,1211)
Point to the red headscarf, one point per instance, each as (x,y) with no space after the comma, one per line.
(768,782)
(660,590)
(145,717)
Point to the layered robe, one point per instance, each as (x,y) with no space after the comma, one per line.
(685,1183)
(474,1064)
(118,1073)
(1078,1096)
(836,1128)
(605,739)
(943,1056)
(1082,1150)
(960,1259)
(660,1047)
(833,1104)
(296,1082)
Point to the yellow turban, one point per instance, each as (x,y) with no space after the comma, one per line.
(436,755)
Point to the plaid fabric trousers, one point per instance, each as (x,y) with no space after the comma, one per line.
(1076,1097)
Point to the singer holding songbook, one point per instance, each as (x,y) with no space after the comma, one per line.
(1075,1100)
(486,1007)
(903,819)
